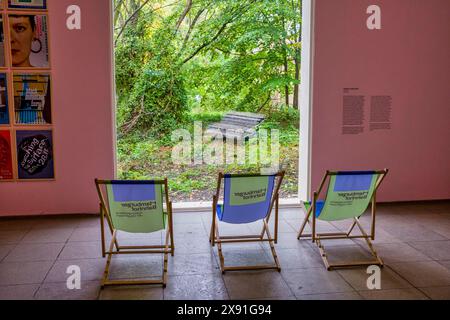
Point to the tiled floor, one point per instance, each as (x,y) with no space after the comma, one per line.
(413,240)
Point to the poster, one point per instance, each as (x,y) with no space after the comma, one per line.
(29,41)
(2,43)
(6,168)
(35,154)
(32,102)
(27,4)
(4,109)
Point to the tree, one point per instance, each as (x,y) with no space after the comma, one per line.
(174,57)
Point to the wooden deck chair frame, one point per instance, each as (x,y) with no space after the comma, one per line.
(116,249)
(216,238)
(317,238)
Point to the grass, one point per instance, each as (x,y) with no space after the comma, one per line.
(146,158)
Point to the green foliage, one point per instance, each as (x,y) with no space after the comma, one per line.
(178,62)
(211,56)
(287,121)
(151,92)
(245,66)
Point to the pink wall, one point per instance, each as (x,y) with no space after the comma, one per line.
(408,59)
(82,110)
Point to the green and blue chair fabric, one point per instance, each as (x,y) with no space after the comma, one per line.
(135,207)
(348,196)
(246,199)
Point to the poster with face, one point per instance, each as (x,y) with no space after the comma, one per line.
(6,168)
(32,100)
(29,41)
(27,4)
(4,113)
(35,154)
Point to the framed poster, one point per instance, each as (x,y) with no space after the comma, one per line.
(32,101)
(27,4)
(2,43)
(6,167)
(4,109)
(29,41)
(26,133)
(35,154)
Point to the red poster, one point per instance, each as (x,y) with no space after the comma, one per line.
(6,170)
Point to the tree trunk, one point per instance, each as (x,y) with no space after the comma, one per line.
(286,68)
(286,87)
(135,8)
(183,14)
(297,78)
(298,58)
(191,27)
(264,104)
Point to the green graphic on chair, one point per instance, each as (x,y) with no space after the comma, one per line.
(137,208)
(246,191)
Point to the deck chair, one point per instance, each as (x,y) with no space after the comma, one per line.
(246,199)
(135,207)
(349,195)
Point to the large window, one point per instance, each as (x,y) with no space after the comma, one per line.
(206,86)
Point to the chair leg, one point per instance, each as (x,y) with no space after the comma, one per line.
(369,243)
(172,245)
(172,242)
(164,275)
(219,246)
(302,228)
(351,228)
(263,232)
(161,281)
(212,235)
(257,238)
(108,261)
(272,247)
(377,260)
(110,225)
(323,254)
(277,205)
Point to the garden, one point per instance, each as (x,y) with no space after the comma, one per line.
(180,64)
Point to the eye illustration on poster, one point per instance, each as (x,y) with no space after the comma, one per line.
(29,41)
(27,4)
(35,154)
(32,100)
(2,42)
(4,113)
(6,168)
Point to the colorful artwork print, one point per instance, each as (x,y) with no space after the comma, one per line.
(2,43)
(27,4)
(6,168)
(35,154)
(4,109)
(29,41)
(32,102)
